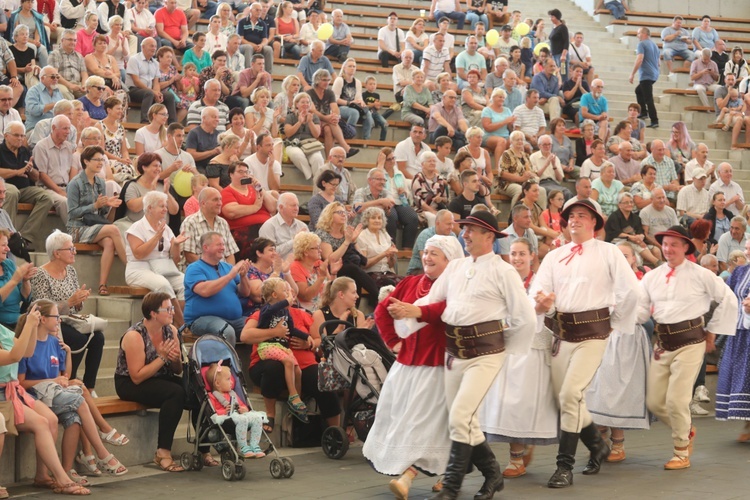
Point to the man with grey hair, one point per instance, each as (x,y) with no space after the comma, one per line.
(520,227)
(444,224)
(284,226)
(732,240)
(143,81)
(71,66)
(236,54)
(336,160)
(594,107)
(7,112)
(44,127)
(53,157)
(41,98)
(204,220)
(666,173)
(446,118)
(203,140)
(700,161)
(627,169)
(693,201)
(710,262)
(254,32)
(340,42)
(375,195)
(20,177)
(657,217)
(211,96)
(403,74)
(732,191)
(704,75)
(311,63)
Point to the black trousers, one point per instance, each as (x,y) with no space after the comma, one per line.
(163,393)
(363,280)
(385,58)
(269,376)
(644,93)
(93,352)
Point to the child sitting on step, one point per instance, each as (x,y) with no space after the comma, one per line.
(277,295)
(227,405)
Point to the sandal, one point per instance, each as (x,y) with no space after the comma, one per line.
(299,409)
(171,467)
(209,461)
(88,463)
(268,426)
(103,290)
(113,470)
(110,438)
(48,484)
(71,489)
(77,478)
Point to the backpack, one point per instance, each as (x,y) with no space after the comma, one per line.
(373,370)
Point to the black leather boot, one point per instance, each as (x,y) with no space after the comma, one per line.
(484,460)
(599,449)
(566,458)
(454,475)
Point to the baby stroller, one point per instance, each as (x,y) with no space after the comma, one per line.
(212,349)
(358,360)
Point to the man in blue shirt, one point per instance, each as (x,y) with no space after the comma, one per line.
(213,289)
(253,31)
(42,97)
(594,107)
(647,64)
(547,83)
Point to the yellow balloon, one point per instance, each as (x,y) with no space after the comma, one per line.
(181,184)
(325,31)
(522,29)
(539,47)
(492,37)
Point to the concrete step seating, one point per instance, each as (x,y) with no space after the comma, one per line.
(664,15)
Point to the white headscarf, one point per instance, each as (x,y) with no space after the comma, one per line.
(449,245)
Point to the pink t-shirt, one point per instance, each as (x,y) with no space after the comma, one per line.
(191,206)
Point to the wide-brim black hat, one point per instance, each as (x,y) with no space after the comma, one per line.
(485,220)
(677,232)
(585,204)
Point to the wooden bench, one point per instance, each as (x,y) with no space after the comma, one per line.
(685,92)
(87,248)
(112,405)
(664,15)
(133,291)
(652,24)
(705,109)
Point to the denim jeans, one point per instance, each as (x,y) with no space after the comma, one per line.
(474,18)
(381,122)
(210,10)
(457,16)
(229,329)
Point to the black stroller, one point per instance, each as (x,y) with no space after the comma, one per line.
(362,381)
(212,349)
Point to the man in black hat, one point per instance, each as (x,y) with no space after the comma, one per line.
(587,286)
(482,301)
(677,295)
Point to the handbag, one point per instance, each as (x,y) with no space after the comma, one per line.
(362,111)
(164,267)
(94,219)
(348,130)
(311,146)
(329,380)
(86,324)
(7,413)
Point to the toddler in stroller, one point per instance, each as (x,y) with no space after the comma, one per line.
(275,310)
(227,405)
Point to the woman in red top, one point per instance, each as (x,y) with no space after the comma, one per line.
(245,207)
(552,217)
(411,422)
(287,33)
(269,374)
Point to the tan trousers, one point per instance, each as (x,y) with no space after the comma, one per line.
(669,389)
(466,383)
(573,368)
(552,108)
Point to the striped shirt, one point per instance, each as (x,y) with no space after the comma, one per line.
(437,61)
(529,121)
(194,114)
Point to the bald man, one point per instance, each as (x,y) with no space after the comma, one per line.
(666,173)
(446,118)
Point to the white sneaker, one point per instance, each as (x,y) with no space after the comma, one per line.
(701,394)
(94,394)
(697,409)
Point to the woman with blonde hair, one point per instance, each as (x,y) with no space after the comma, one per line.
(302,127)
(417,40)
(308,271)
(339,302)
(150,138)
(348,91)
(338,242)
(284,99)
(217,170)
(261,118)
(415,107)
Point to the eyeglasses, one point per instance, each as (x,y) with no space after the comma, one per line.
(340,212)
(169,309)
(69,249)
(54,77)
(98,160)
(17,136)
(6,99)
(378,179)
(163,114)
(56,316)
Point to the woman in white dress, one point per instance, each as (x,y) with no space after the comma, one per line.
(520,407)
(410,432)
(616,397)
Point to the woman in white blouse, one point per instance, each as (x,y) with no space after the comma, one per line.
(151,138)
(375,244)
(153,252)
